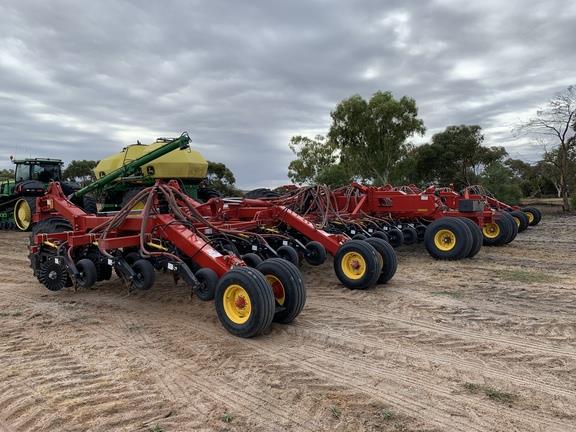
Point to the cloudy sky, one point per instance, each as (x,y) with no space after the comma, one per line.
(81,79)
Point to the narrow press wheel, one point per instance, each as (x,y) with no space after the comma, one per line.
(448,239)
(244,302)
(287,286)
(23,212)
(315,254)
(357,264)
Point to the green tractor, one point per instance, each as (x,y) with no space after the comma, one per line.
(18,195)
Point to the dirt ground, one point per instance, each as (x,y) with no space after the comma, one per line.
(487,344)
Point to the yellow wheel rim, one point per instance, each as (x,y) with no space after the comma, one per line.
(23,214)
(445,240)
(237,304)
(277,289)
(530,216)
(491,230)
(517,221)
(353,265)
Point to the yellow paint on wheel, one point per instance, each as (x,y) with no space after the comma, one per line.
(22,214)
(517,220)
(491,230)
(445,240)
(353,265)
(237,304)
(530,216)
(277,289)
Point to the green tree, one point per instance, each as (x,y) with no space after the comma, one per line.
(371,135)
(555,125)
(500,180)
(317,162)
(221,178)
(6,174)
(80,171)
(456,155)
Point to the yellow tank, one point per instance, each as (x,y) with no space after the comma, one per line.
(185,164)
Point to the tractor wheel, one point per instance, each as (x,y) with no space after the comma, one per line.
(23,211)
(476,236)
(287,286)
(381,235)
(129,195)
(315,253)
(261,193)
(534,215)
(521,219)
(88,273)
(410,235)
(251,259)
(89,204)
(389,259)
(448,239)
(395,236)
(208,281)
(289,254)
(357,264)
(244,302)
(144,277)
(420,232)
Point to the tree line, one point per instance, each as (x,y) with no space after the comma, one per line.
(368,141)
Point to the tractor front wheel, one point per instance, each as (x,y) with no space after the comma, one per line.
(244,302)
(23,212)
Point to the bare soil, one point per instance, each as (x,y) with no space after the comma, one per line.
(487,344)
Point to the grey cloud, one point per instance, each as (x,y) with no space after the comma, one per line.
(83,79)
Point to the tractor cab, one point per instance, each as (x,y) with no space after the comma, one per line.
(43,170)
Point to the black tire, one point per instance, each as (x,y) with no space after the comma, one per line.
(251,259)
(208,281)
(129,195)
(521,220)
(261,193)
(205,194)
(50,226)
(24,210)
(89,204)
(476,236)
(420,232)
(357,264)
(289,254)
(495,233)
(389,259)
(87,273)
(381,235)
(534,215)
(289,291)
(359,237)
(513,231)
(315,253)
(448,238)
(395,237)
(228,302)
(410,235)
(132,257)
(144,277)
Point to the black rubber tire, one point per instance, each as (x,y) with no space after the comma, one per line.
(371,259)
(208,280)
(461,232)
(205,194)
(476,236)
(289,254)
(145,275)
(251,259)
(521,220)
(389,259)
(50,226)
(89,204)
(395,237)
(315,253)
(498,240)
(359,237)
(292,296)
(381,235)
(132,257)
(420,232)
(536,215)
(88,273)
(261,299)
(513,232)
(410,235)
(261,193)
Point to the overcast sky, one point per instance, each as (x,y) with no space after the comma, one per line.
(81,79)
